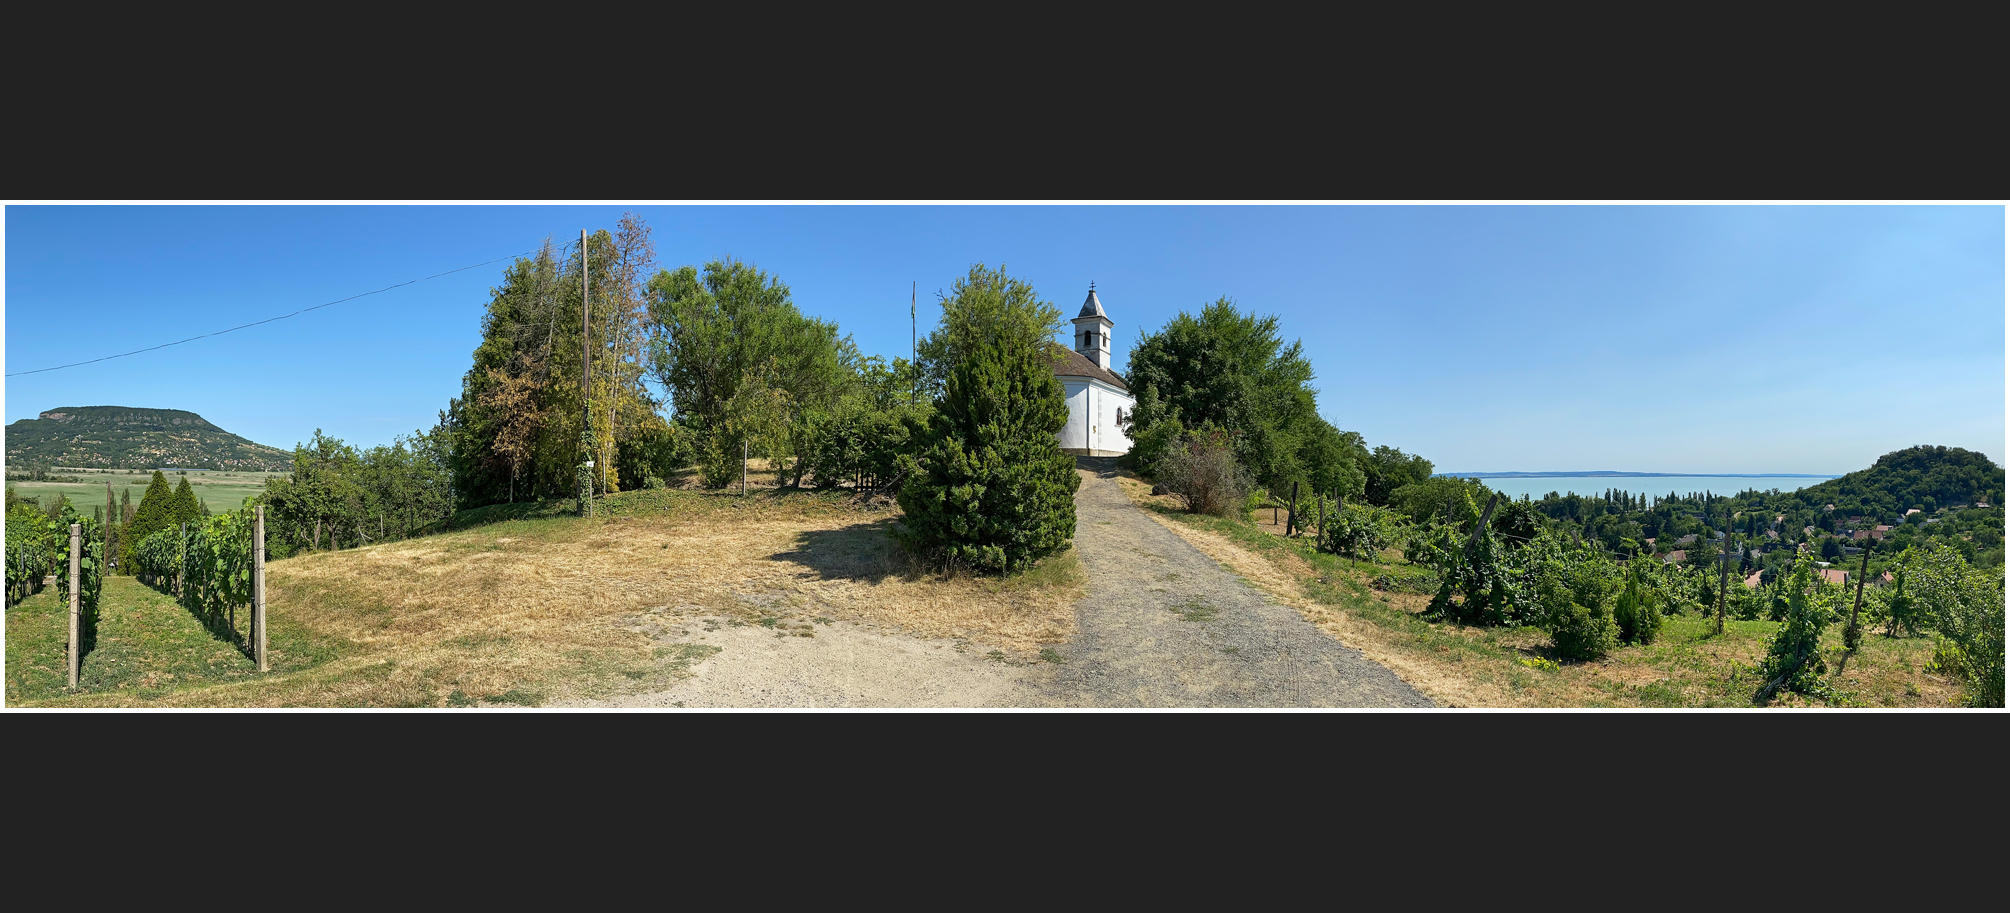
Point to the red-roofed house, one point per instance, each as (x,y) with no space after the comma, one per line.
(1752,582)
(1675,557)
(1834,576)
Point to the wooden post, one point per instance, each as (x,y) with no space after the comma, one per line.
(585,370)
(1322,515)
(1724,574)
(1291,528)
(1851,635)
(1484,516)
(76,600)
(743,466)
(258,589)
(181,565)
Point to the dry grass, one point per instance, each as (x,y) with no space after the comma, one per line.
(557,608)
(1495,667)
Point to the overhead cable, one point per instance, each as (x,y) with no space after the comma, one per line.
(280,317)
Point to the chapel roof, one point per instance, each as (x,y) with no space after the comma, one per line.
(1070,363)
(1092,307)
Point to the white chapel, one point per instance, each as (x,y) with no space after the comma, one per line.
(1097,398)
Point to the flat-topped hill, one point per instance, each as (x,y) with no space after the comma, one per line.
(128,437)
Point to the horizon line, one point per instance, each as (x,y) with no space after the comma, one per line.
(1609,473)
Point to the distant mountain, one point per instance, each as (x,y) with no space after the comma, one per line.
(1604,473)
(125,437)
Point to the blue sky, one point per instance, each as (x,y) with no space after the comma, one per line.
(1671,339)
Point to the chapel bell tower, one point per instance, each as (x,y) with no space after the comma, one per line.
(1092,331)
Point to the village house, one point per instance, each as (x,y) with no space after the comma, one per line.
(1840,578)
(1675,557)
(1098,400)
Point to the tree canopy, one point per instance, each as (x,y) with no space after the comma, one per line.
(1228,370)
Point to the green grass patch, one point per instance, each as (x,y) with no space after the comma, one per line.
(219,491)
(145,646)
(1194,609)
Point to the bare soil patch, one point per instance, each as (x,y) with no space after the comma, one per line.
(559,609)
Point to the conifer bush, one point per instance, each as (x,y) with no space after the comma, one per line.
(990,488)
(1635,613)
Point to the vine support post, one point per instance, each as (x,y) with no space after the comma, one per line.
(1724,573)
(585,377)
(1291,516)
(258,588)
(76,600)
(1853,636)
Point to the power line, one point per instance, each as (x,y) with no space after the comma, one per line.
(280,317)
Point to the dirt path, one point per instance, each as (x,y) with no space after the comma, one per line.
(1166,626)
(844,665)
(1162,625)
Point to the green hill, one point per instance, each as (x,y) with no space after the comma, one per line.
(125,437)
(1925,477)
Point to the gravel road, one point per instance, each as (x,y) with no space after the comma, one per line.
(1165,626)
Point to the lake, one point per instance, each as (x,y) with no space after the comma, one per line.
(1648,485)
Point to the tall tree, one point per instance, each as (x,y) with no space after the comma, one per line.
(1225,369)
(1389,469)
(153,514)
(991,488)
(532,337)
(184,507)
(742,363)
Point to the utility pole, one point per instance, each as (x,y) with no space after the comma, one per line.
(913,323)
(585,373)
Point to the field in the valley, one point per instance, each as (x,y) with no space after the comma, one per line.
(219,490)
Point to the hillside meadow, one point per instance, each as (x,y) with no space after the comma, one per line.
(1377,607)
(524,604)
